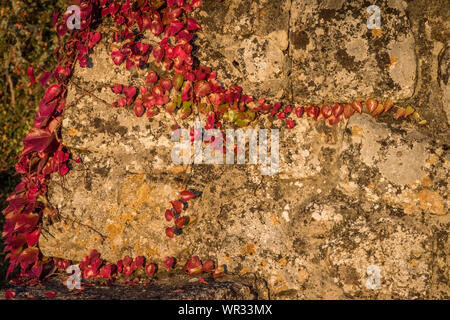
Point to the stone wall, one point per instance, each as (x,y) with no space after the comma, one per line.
(367,192)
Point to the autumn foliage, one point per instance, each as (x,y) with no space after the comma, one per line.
(191,88)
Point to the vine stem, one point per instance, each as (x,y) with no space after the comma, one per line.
(11,89)
(84,225)
(90,93)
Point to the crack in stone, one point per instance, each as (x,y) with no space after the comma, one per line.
(86,226)
(416,56)
(289,53)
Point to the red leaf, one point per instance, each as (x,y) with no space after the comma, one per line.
(36,269)
(44,113)
(28,256)
(94,37)
(63,169)
(202,88)
(196,3)
(119,266)
(122,102)
(174,27)
(187,8)
(150,269)
(107,271)
(62,71)
(113,8)
(220,271)
(158,53)
(326,111)
(337,109)
(117,88)
(192,24)
(171,3)
(348,111)
(165,84)
(37,140)
(152,77)
(208,266)
(61,29)
(90,272)
(371,104)
(186,92)
(170,232)
(203,281)
(290,123)
(117,56)
(30,72)
(55,18)
(26,221)
(357,106)
(312,111)
(138,109)
(129,92)
(156,27)
(50,294)
(17,240)
(9,294)
(33,237)
(157,90)
(180,222)
(177,206)
(175,13)
(184,37)
(46,76)
(139,262)
(187,195)
(169,263)
(298,111)
(193,266)
(168,215)
(129,64)
(127,260)
(334,120)
(151,111)
(281,115)
(81,48)
(51,93)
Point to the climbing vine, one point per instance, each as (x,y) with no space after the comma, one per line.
(190,90)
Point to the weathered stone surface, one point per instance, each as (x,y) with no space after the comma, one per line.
(444,70)
(336,57)
(366,192)
(310,51)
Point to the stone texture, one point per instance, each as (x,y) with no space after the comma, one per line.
(335,57)
(366,192)
(310,51)
(444,71)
